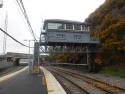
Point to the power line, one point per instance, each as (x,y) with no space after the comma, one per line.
(26,16)
(13,38)
(23,10)
(21,5)
(27,19)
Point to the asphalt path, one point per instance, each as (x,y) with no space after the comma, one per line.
(24,83)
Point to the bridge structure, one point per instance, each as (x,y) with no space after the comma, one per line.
(15,57)
(64,36)
(11,58)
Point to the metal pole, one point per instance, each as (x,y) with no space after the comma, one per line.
(29,44)
(29,47)
(30,62)
(36,58)
(1,3)
(5,37)
(87,55)
(88,63)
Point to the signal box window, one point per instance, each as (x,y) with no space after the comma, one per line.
(69,26)
(77,27)
(85,28)
(77,37)
(60,36)
(55,26)
(62,26)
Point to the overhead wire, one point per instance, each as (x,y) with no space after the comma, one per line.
(22,7)
(14,38)
(19,8)
(26,16)
(23,10)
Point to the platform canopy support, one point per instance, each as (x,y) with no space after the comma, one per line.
(35,65)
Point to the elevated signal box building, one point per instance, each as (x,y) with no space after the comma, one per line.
(64,36)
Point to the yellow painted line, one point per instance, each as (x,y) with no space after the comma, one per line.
(43,81)
(53,86)
(12,74)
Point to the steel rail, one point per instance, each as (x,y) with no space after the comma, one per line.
(111,89)
(70,81)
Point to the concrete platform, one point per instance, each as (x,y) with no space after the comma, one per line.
(53,86)
(22,82)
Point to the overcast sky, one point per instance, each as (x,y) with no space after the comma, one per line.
(37,11)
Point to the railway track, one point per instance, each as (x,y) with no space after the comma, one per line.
(69,86)
(84,82)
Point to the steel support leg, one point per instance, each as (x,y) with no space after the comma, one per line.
(36,58)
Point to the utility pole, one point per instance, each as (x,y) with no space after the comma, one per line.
(36,58)
(5,36)
(1,3)
(29,45)
(30,62)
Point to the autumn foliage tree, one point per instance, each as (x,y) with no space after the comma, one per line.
(108,25)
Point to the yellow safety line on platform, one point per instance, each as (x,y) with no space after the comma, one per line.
(12,74)
(53,85)
(43,81)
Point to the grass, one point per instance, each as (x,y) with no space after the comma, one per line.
(113,71)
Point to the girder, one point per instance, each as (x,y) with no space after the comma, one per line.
(69,49)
